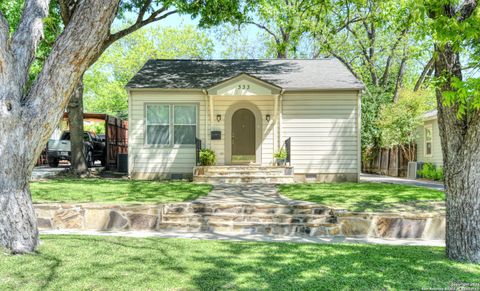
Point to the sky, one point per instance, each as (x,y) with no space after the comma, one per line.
(175,19)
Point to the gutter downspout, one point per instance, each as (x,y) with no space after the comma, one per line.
(359,134)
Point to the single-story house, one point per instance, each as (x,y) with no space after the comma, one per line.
(245,110)
(429,147)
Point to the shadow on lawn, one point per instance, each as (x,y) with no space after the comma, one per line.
(211,265)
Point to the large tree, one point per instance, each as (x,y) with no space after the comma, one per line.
(28,115)
(456,31)
(105,81)
(211,12)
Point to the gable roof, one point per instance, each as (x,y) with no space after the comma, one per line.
(321,74)
(432,114)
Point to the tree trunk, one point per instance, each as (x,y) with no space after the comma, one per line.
(18,223)
(28,116)
(75,118)
(460,138)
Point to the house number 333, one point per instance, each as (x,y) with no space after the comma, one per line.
(244,86)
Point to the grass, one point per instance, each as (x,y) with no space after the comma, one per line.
(115,190)
(366,196)
(115,263)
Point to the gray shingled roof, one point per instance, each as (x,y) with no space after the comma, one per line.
(286,74)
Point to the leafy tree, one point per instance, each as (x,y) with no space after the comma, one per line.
(284,22)
(398,122)
(455,28)
(105,81)
(29,111)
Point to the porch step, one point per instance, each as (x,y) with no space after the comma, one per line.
(243,175)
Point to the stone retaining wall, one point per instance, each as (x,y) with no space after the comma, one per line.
(429,226)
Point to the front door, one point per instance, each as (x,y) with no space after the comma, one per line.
(243,137)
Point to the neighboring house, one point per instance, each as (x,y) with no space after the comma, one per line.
(429,148)
(245,110)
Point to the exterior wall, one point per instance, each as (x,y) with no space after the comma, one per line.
(437,156)
(221,105)
(324,128)
(147,161)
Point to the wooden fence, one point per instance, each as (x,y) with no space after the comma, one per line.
(116,135)
(390,162)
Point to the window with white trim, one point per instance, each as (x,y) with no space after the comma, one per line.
(428,140)
(171,124)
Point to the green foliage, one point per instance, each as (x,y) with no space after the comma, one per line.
(372,102)
(207,157)
(281,154)
(398,122)
(96,127)
(429,171)
(460,35)
(105,81)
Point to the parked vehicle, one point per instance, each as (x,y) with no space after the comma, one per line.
(58,150)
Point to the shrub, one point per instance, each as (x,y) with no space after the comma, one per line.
(280,155)
(429,171)
(207,157)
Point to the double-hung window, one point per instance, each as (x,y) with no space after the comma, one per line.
(171,124)
(428,140)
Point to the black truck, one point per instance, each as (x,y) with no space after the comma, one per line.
(95,149)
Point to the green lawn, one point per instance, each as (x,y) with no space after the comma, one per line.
(113,263)
(115,190)
(366,196)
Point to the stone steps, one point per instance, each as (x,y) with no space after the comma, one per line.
(309,229)
(243,175)
(245,209)
(243,179)
(258,218)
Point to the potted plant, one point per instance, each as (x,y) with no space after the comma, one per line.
(280,157)
(207,157)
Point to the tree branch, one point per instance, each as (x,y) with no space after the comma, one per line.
(155,16)
(28,35)
(424,73)
(466,9)
(277,40)
(343,61)
(4,29)
(386,71)
(401,73)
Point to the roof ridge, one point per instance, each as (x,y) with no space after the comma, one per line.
(215,60)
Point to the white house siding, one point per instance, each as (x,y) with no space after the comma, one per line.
(146,161)
(324,131)
(436,158)
(266,106)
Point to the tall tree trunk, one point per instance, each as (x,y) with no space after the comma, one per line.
(29,116)
(75,118)
(399,81)
(460,138)
(18,224)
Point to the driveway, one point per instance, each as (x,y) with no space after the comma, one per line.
(401,181)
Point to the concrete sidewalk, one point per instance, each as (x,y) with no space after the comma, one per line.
(401,181)
(248,237)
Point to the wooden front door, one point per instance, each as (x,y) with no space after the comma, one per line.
(243,137)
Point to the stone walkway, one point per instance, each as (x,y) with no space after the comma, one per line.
(247,193)
(248,237)
(401,181)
